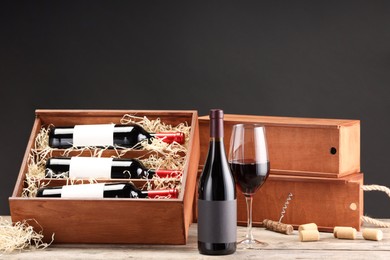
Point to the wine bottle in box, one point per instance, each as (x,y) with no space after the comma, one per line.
(111,135)
(108,168)
(104,190)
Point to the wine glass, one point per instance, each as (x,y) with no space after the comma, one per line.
(248,159)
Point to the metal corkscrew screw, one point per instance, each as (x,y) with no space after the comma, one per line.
(289,197)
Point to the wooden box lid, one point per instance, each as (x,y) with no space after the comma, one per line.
(300,146)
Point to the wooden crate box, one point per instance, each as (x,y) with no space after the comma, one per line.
(300,146)
(328,202)
(141,221)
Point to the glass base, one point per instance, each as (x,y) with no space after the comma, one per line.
(248,243)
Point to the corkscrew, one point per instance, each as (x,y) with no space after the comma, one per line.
(289,197)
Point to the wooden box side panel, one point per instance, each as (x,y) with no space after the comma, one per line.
(204,137)
(23,168)
(290,121)
(104,221)
(350,148)
(73,117)
(303,149)
(326,203)
(191,177)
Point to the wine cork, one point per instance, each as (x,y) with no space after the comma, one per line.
(309,226)
(372,234)
(309,235)
(346,233)
(278,227)
(335,229)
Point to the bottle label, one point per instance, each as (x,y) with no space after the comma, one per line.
(90,167)
(95,190)
(217,221)
(93,135)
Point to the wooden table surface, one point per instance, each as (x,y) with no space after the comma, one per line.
(279,247)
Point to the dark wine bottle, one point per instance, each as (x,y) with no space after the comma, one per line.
(104,190)
(110,135)
(108,168)
(217,205)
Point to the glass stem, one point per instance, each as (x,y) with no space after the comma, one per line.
(249,234)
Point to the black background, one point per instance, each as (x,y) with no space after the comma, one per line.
(327,59)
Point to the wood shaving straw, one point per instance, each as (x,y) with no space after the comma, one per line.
(36,164)
(162,155)
(174,154)
(20,236)
(155,126)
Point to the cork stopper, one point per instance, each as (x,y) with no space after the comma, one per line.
(346,233)
(335,229)
(372,234)
(309,235)
(309,226)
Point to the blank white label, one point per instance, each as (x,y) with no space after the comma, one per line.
(93,135)
(95,190)
(90,167)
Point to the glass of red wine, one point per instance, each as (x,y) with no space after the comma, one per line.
(248,159)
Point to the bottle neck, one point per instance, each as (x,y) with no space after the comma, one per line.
(217,145)
(165,173)
(171,193)
(216,128)
(170,137)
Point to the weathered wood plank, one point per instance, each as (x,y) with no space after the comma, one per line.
(279,247)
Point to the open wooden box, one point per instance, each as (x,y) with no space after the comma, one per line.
(141,221)
(300,146)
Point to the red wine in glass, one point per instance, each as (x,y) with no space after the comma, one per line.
(250,175)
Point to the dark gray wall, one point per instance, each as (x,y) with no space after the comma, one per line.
(287,58)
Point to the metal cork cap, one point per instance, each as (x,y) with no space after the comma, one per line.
(216,123)
(216,113)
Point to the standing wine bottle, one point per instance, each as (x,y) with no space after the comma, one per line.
(107,135)
(217,205)
(104,190)
(108,168)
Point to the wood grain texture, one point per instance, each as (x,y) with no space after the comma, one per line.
(301,146)
(328,202)
(279,246)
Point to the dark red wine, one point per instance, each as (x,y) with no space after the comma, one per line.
(217,205)
(103,190)
(250,176)
(108,168)
(110,135)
